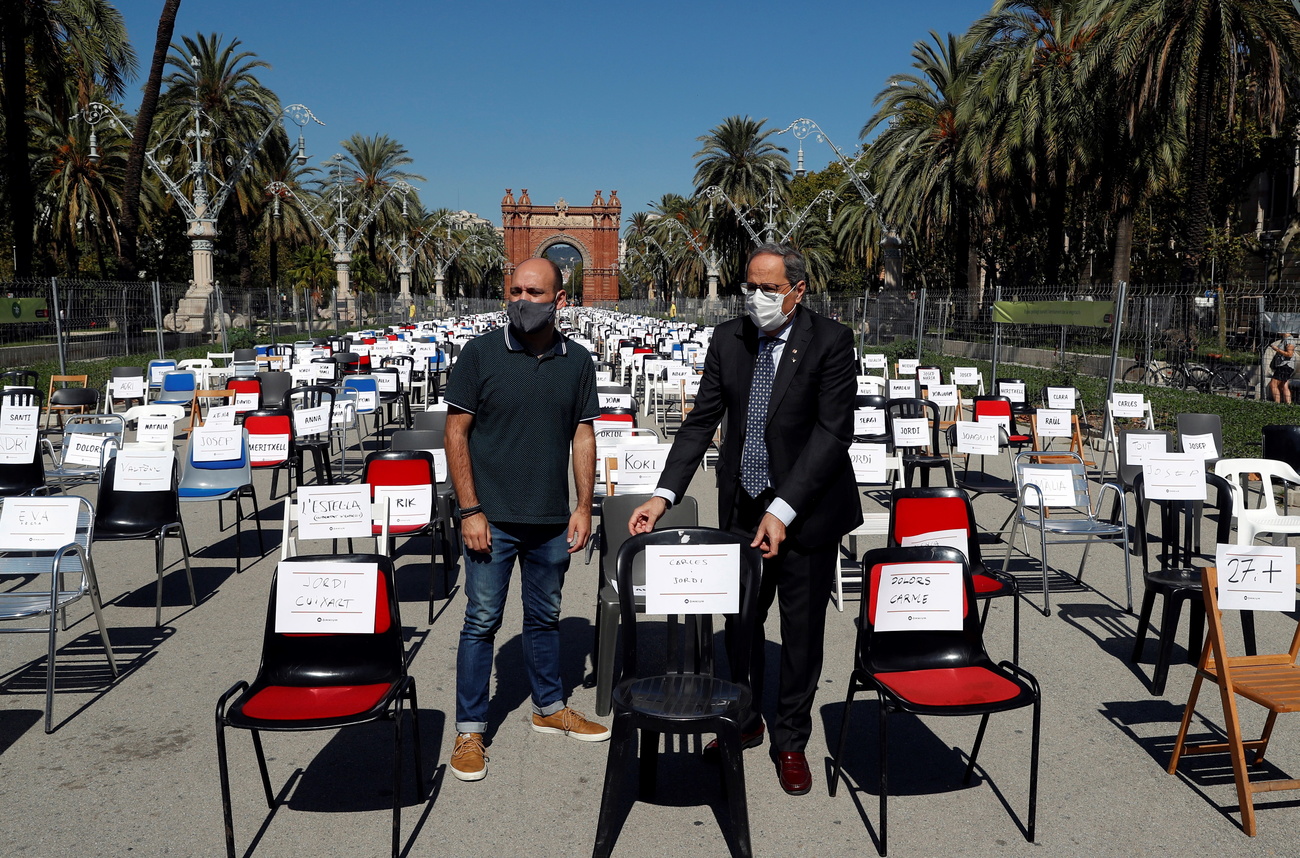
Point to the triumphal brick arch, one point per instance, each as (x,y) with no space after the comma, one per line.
(592,230)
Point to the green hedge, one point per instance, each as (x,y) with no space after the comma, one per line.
(1243,419)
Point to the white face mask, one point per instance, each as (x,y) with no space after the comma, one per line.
(765,310)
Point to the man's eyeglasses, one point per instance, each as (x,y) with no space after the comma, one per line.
(765,288)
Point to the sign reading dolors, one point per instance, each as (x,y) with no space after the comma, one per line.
(325,597)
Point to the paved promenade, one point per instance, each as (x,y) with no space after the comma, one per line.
(132,769)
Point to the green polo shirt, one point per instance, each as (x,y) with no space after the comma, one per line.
(526,409)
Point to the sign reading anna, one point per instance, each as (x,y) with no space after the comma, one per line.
(1084,314)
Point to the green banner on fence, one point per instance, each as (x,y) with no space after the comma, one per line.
(1084,314)
(23,310)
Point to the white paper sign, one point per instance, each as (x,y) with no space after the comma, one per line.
(928,377)
(943,395)
(1057,485)
(868,385)
(38,524)
(19,425)
(1053,423)
(1138,448)
(868,462)
(1127,405)
(408,506)
(641,464)
(1202,445)
(907,366)
(1013,390)
(677,371)
(439,465)
(868,421)
(610,432)
(334,512)
(130,387)
(1252,577)
(311,421)
(902,388)
(1061,398)
(870,361)
(268,448)
(345,411)
(965,375)
(956,538)
(366,401)
(155,430)
(919,597)
(1174,476)
(911,432)
(614,400)
(692,579)
(216,444)
(140,470)
(386,382)
(1001,421)
(327,597)
(220,415)
(977,439)
(245,401)
(156,374)
(83,448)
(324,370)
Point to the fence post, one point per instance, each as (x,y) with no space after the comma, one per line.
(273,313)
(1121,294)
(221,315)
(157,317)
(920,322)
(1263,361)
(997,338)
(58,327)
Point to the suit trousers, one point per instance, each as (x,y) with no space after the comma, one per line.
(799,579)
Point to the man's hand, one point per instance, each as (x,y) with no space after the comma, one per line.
(771,533)
(644,517)
(474,530)
(579,528)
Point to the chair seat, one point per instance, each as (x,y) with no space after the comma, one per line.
(1271,523)
(20,606)
(681,696)
(1174,579)
(1074,526)
(108,531)
(988,585)
(193,493)
(401,529)
(326,705)
(944,688)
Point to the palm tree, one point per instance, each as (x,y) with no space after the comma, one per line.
(78,42)
(926,187)
(373,164)
(1183,60)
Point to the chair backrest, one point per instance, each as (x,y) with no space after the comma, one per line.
(997,389)
(275,384)
(118,511)
(996,407)
(398,468)
(1238,471)
(692,650)
(179,381)
(918,649)
(338,659)
(880,403)
(243,355)
(246,388)
(615,511)
(1067,477)
(365,386)
(199,476)
(1178,542)
(109,427)
(934,515)
(74,397)
(265,428)
(22,478)
(431,420)
(85,533)
(417,439)
(157,369)
(19,378)
(311,396)
(21,397)
(1190,425)
(1129,470)
(915,409)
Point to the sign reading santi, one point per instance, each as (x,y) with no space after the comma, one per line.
(326,597)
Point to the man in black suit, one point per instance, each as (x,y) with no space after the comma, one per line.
(783,378)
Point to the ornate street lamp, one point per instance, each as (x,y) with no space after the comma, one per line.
(715,193)
(209,192)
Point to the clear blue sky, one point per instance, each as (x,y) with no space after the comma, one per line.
(570,97)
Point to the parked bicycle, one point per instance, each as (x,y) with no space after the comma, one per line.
(1219,377)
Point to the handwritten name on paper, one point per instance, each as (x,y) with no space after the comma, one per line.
(1256,577)
(328,597)
(919,597)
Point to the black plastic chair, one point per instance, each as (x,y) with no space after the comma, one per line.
(319,445)
(275,384)
(1129,471)
(121,516)
(71,400)
(323,682)
(876,400)
(1024,408)
(390,399)
(19,378)
(22,479)
(914,457)
(1202,424)
(687,699)
(243,355)
(430,420)
(932,672)
(616,511)
(1282,442)
(1178,579)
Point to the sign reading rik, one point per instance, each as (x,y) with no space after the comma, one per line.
(325,597)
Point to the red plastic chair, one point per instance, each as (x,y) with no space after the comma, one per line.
(246,386)
(263,426)
(933,672)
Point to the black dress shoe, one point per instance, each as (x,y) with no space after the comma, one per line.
(792,772)
(712,753)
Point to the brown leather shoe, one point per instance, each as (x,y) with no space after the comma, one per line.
(792,772)
(713,754)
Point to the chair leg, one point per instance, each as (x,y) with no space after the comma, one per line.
(185,555)
(733,776)
(975,749)
(158,567)
(844,736)
(1144,619)
(257,520)
(1168,630)
(397,778)
(1030,826)
(649,772)
(622,752)
(883,752)
(1047,596)
(1248,631)
(49,668)
(607,621)
(239,533)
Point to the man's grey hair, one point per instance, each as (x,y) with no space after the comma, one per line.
(795,267)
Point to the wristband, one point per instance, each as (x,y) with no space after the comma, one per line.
(467,511)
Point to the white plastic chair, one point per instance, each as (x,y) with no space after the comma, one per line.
(1265,518)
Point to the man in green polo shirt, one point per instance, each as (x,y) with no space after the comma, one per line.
(518,399)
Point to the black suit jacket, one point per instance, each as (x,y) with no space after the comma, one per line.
(809,424)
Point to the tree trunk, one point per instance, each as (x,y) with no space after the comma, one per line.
(243,250)
(1121,264)
(18,176)
(1056,226)
(129,217)
(1198,158)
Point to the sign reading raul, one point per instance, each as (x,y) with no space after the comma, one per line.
(1084,314)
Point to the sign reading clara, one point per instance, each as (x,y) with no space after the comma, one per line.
(692,579)
(325,597)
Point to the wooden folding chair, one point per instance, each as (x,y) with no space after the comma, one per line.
(1272,681)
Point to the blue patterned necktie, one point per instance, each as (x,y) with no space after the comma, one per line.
(753,458)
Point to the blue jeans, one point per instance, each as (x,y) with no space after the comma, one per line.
(543,552)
